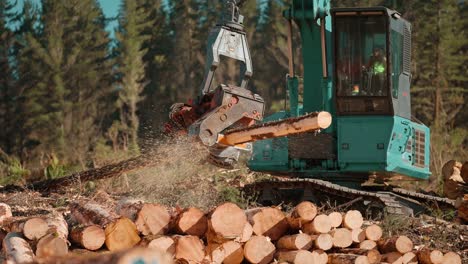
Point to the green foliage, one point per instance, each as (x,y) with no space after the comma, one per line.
(13,172)
(55,169)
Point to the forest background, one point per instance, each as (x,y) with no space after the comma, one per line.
(74,95)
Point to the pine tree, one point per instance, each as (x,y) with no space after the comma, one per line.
(6,79)
(132,34)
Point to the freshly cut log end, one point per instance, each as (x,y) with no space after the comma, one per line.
(451,258)
(319,257)
(190,249)
(164,244)
(230,252)
(401,244)
(58,225)
(353,219)
(303,212)
(336,219)
(295,242)
(324,242)
(51,245)
(368,244)
(373,232)
(191,221)
(409,257)
(295,257)
(270,222)
(153,219)
(342,238)
(16,249)
(320,225)
(121,234)
(5,212)
(227,221)
(89,237)
(347,259)
(259,250)
(35,228)
(358,235)
(247,233)
(427,256)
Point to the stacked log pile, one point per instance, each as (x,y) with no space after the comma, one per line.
(153,233)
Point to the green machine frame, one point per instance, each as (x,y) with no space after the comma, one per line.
(373,132)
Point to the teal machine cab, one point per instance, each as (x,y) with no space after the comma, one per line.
(356,65)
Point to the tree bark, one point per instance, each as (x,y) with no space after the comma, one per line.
(89,237)
(5,212)
(338,258)
(16,249)
(401,244)
(428,256)
(295,242)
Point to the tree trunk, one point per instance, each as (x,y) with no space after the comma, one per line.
(268,221)
(164,244)
(92,214)
(353,219)
(336,219)
(401,244)
(134,255)
(358,235)
(427,256)
(323,242)
(295,242)
(338,258)
(226,222)
(189,249)
(16,249)
(53,244)
(452,258)
(259,250)
(5,212)
(89,237)
(373,255)
(229,252)
(296,257)
(150,219)
(121,234)
(342,238)
(373,232)
(191,221)
(368,244)
(320,225)
(303,213)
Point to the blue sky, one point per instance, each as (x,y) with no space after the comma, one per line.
(110,8)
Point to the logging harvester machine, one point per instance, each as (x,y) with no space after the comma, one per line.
(353,128)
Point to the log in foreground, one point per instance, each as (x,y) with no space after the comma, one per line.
(230,252)
(295,242)
(324,242)
(191,221)
(189,249)
(89,237)
(269,221)
(164,244)
(320,225)
(285,127)
(428,256)
(303,213)
(226,222)
(51,245)
(401,244)
(295,257)
(16,249)
(259,250)
(121,234)
(150,218)
(134,255)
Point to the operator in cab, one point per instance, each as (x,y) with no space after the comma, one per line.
(376,71)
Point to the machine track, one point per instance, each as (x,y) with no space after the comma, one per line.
(396,202)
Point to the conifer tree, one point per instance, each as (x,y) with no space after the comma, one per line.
(132,34)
